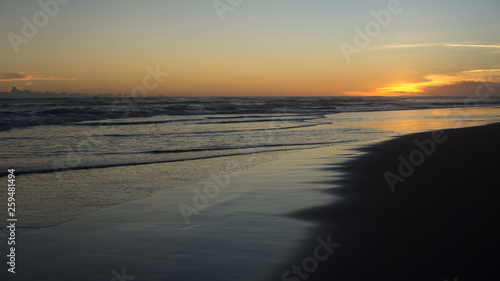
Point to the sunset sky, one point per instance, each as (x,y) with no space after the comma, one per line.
(275,48)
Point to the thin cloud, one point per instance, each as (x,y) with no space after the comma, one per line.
(496,48)
(440,80)
(406,46)
(27,77)
(473,46)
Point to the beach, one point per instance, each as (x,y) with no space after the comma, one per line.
(232,140)
(243,233)
(325,213)
(441,223)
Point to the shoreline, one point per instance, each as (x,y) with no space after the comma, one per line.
(255,223)
(243,228)
(173,174)
(440,223)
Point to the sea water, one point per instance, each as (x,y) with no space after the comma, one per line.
(74,156)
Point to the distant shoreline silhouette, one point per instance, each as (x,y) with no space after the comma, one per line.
(27,94)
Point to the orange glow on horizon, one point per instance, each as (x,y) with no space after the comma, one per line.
(400,90)
(441,80)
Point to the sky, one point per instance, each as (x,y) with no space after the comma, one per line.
(251,47)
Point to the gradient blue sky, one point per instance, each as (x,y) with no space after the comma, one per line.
(260,48)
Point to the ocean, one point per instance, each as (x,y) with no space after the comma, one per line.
(75,156)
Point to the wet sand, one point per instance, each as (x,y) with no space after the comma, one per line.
(242,233)
(441,223)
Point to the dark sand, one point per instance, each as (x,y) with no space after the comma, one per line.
(442,223)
